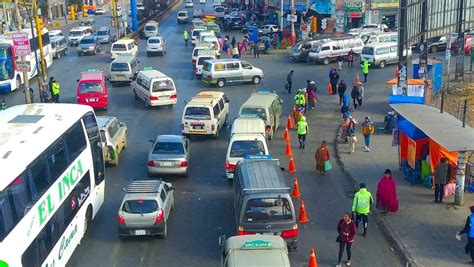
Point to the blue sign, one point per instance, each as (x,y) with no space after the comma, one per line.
(327,7)
(258,157)
(300,7)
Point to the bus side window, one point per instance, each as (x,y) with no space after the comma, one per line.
(75,141)
(96,146)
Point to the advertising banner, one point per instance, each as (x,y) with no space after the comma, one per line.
(411,157)
(383,4)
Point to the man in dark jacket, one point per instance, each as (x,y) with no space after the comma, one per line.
(469,230)
(441,176)
(333,78)
(233,41)
(289,80)
(341,89)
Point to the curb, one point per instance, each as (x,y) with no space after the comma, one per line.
(385,228)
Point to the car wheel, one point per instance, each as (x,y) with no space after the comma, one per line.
(125,142)
(58,55)
(147,105)
(165,232)
(221,83)
(382,64)
(87,219)
(326,61)
(136,96)
(115,162)
(216,135)
(434,49)
(256,80)
(186,174)
(79,54)
(148,54)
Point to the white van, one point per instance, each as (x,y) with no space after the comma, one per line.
(76,34)
(328,50)
(248,138)
(124,47)
(154,88)
(370,38)
(203,56)
(381,54)
(207,47)
(205,114)
(122,69)
(195,34)
(230,70)
(151,29)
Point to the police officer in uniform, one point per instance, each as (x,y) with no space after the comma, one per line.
(361,206)
(302,130)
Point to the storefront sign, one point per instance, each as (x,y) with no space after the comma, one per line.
(21,44)
(383,4)
(350,7)
(411,153)
(23,66)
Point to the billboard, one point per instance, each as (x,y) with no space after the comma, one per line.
(383,4)
(327,7)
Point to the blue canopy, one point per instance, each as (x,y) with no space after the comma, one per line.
(410,129)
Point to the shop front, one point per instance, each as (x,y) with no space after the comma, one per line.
(354,16)
(384,12)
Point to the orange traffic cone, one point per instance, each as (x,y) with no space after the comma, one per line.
(312,259)
(303,218)
(290,124)
(296,189)
(357,79)
(292,168)
(329,89)
(286,136)
(288,151)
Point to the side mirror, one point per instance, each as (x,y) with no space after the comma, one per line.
(222,240)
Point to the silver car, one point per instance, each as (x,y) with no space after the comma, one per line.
(103,35)
(169,155)
(88,45)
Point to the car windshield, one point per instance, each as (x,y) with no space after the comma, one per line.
(119,47)
(87,41)
(91,87)
(119,67)
(219,9)
(75,33)
(254,112)
(240,149)
(168,148)
(316,48)
(202,59)
(365,38)
(154,41)
(53,44)
(297,46)
(104,32)
(150,28)
(182,14)
(202,113)
(164,85)
(367,50)
(140,206)
(260,210)
(196,33)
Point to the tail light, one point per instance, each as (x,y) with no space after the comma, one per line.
(290,233)
(213,127)
(154,98)
(160,216)
(121,219)
(242,232)
(184,164)
(150,163)
(229,166)
(173,96)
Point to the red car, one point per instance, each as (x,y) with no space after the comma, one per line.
(92,89)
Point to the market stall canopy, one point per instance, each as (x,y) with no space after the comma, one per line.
(443,128)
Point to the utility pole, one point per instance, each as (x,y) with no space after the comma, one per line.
(293,36)
(26,80)
(460,176)
(402,41)
(423,58)
(133,6)
(281,14)
(39,34)
(115,20)
(459,72)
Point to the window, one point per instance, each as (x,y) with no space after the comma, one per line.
(216,110)
(384,38)
(166,187)
(325,48)
(254,112)
(75,141)
(57,158)
(368,50)
(221,104)
(168,148)
(41,177)
(382,51)
(91,87)
(267,210)
(202,113)
(233,66)
(393,49)
(96,146)
(246,65)
(163,196)
(113,128)
(336,47)
(119,47)
(140,206)
(163,85)
(240,149)
(119,67)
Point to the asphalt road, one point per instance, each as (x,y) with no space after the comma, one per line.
(204,201)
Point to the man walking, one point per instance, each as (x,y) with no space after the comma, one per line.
(186,37)
(361,206)
(233,42)
(333,78)
(350,58)
(289,80)
(441,176)
(469,231)
(367,130)
(302,130)
(341,90)
(365,68)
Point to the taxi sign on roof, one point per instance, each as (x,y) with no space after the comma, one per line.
(257,244)
(204,44)
(92,70)
(258,157)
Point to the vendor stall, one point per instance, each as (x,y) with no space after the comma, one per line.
(415,92)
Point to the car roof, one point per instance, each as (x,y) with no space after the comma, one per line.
(88,37)
(124,59)
(169,138)
(236,242)
(143,188)
(262,175)
(79,28)
(92,76)
(124,41)
(55,31)
(153,73)
(259,99)
(103,120)
(381,44)
(57,38)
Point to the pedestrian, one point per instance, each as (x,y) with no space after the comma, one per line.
(3,104)
(322,156)
(235,52)
(368,129)
(346,230)
(299,99)
(341,90)
(311,91)
(45,97)
(346,101)
(340,60)
(350,58)
(361,207)
(355,94)
(233,41)
(302,130)
(351,136)
(361,93)
(242,49)
(441,177)
(32,94)
(186,37)
(333,78)
(55,89)
(289,80)
(469,231)
(365,68)
(387,193)
(255,50)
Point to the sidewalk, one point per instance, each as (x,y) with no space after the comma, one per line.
(422,232)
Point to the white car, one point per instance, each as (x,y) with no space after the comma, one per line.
(189,3)
(140,6)
(155,45)
(100,11)
(202,1)
(53,33)
(368,28)
(269,28)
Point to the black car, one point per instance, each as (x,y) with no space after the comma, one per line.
(433,44)
(236,23)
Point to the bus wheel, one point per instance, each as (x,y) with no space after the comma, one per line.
(88,219)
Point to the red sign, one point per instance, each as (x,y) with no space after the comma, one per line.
(411,153)
(21,44)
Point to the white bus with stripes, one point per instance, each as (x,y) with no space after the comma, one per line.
(52,182)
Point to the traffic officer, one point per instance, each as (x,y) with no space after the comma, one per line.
(302,130)
(361,206)
(55,90)
(365,68)
(186,37)
(300,98)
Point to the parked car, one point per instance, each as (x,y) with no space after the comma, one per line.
(145,208)
(88,22)
(247,24)
(189,3)
(53,33)
(169,154)
(433,44)
(100,11)
(103,35)
(88,45)
(58,46)
(269,28)
(155,45)
(182,17)
(114,134)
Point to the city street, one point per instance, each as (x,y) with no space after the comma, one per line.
(204,201)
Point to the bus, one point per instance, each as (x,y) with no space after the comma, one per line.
(52,182)
(10,78)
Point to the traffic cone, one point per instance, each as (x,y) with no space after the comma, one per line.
(296,189)
(292,168)
(312,259)
(286,136)
(357,79)
(290,124)
(288,151)
(329,89)
(303,218)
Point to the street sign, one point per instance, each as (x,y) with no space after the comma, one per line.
(292,18)
(304,27)
(324,23)
(21,44)
(23,66)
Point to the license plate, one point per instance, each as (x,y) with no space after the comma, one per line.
(92,99)
(140,232)
(167,164)
(197,131)
(198,127)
